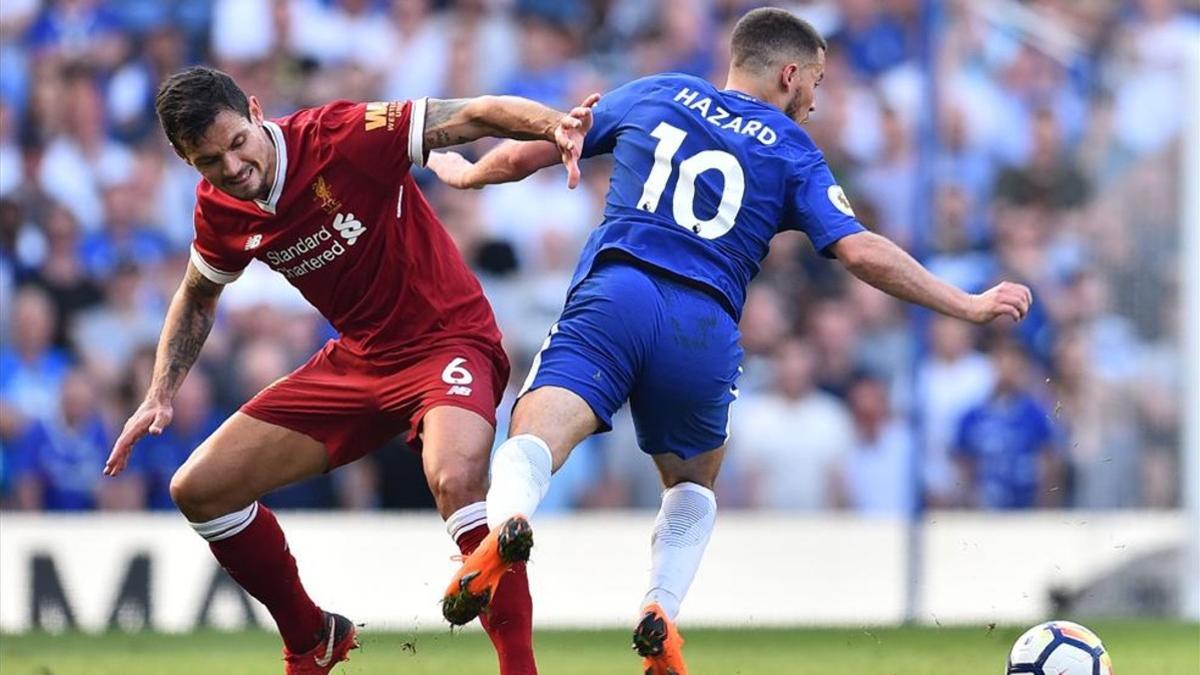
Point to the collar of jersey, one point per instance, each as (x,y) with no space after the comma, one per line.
(746,97)
(280,168)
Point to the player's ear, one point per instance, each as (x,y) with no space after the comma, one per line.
(787,76)
(256,113)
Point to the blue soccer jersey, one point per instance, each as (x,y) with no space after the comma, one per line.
(703,179)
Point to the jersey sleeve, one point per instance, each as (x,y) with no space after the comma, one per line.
(384,138)
(607,116)
(819,206)
(218,261)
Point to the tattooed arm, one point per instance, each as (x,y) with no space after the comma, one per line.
(189,319)
(462,120)
(455,121)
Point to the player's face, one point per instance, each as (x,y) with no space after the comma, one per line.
(235,154)
(804,84)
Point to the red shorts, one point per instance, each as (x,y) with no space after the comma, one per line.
(354,405)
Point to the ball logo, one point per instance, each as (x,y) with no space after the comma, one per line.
(349,227)
(838,197)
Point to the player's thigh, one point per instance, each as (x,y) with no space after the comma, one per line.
(682,401)
(455,449)
(242,460)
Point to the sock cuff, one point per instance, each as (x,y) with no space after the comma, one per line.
(536,441)
(466,519)
(227,525)
(697,488)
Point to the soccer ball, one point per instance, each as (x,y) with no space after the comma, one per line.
(1059,648)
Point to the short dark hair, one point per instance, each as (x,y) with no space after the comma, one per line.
(768,36)
(189,101)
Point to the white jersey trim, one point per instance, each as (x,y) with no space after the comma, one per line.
(281,160)
(416,132)
(211,273)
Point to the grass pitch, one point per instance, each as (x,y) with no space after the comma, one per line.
(1138,648)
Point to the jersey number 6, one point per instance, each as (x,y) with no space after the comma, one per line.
(683,209)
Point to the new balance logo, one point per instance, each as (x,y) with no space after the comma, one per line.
(349,227)
(253,242)
(459,390)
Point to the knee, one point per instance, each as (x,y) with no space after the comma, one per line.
(197,501)
(456,486)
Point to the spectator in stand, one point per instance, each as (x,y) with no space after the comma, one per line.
(786,443)
(951,380)
(87,31)
(419,53)
(876,477)
(57,464)
(31,367)
(1007,451)
(832,328)
(124,236)
(107,336)
(62,273)
(81,161)
(875,40)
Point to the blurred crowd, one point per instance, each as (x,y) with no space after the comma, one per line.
(1035,141)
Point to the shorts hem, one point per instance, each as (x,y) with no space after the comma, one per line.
(280,421)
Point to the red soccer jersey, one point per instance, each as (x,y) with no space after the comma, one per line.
(348,227)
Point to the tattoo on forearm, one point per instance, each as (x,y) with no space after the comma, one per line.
(438,116)
(187,333)
(501,117)
(187,338)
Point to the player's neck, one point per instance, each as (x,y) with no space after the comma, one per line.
(750,86)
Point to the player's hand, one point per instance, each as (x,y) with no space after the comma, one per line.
(151,417)
(452,169)
(1003,299)
(569,134)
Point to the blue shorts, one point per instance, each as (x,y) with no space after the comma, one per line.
(668,348)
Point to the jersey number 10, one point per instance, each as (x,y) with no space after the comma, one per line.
(683,209)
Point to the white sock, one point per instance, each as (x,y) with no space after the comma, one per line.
(227,525)
(681,532)
(466,519)
(520,477)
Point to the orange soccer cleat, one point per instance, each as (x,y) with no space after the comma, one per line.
(338,638)
(659,643)
(472,587)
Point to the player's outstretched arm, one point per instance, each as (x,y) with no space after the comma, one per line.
(508,162)
(456,121)
(189,320)
(886,266)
